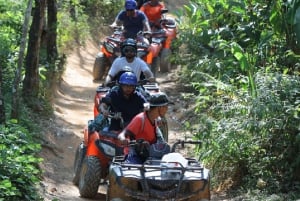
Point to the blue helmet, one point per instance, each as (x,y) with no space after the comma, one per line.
(130,4)
(128,78)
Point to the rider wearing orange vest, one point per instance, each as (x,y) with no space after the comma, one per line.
(152,10)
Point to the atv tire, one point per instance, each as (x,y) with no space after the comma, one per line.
(90,177)
(99,66)
(79,156)
(165,64)
(155,65)
(116,193)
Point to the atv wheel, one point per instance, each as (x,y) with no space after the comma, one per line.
(155,65)
(79,156)
(99,66)
(204,194)
(165,63)
(116,193)
(163,126)
(90,176)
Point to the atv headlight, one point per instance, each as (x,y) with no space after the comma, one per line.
(116,199)
(117,51)
(141,54)
(109,47)
(108,149)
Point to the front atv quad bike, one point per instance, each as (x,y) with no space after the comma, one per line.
(173,178)
(90,177)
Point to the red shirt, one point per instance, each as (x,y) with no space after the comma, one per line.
(142,128)
(153,12)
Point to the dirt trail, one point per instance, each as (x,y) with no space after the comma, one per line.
(73,106)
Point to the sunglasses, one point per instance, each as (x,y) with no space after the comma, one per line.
(128,86)
(130,10)
(129,49)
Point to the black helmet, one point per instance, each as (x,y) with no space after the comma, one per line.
(129,42)
(159,99)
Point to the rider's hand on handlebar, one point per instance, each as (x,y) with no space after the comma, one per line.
(104,109)
(123,140)
(147,34)
(117,115)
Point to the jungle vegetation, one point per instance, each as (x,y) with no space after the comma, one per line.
(239,57)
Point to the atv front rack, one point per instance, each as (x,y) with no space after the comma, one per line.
(158,180)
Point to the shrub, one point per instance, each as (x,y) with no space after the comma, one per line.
(19,172)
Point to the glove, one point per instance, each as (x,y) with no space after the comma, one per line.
(104,109)
(118,115)
(147,34)
(123,140)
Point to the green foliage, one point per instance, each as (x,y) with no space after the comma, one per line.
(73,27)
(19,170)
(241,59)
(11,16)
(79,18)
(253,136)
(100,14)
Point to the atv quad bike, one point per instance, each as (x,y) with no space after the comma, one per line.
(110,50)
(162,38)
(93,157)
(169,178)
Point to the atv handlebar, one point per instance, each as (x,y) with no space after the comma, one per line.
(174,146)
(116,27)
(140,82)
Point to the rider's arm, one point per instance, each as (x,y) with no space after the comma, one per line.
(118,21)
(113,71)
(149,75)
(147,25)
(145,22)
(147,71)
(108,79)
(126,135)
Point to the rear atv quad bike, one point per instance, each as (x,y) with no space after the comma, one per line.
(109,51)
(173,177)
(166,34)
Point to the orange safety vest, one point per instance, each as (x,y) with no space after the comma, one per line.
(153,12)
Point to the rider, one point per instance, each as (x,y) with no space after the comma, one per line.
(125,99)
(144,125)
(152,10)
(138,66)
(133,20)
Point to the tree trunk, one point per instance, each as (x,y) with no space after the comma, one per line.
(52,33)
(2,110)
(31,80)
(15,91)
